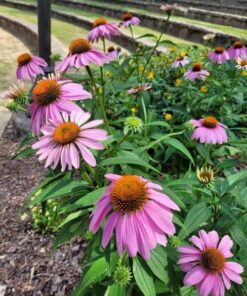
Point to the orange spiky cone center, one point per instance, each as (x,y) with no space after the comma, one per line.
(79,46)
(66,133)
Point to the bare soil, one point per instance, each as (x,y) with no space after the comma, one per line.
(27,266)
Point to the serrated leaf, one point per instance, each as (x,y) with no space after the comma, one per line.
(158,262)
(97,271)
(143,277)
(197,215)
(179,146)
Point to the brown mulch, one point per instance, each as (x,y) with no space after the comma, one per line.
(27,266)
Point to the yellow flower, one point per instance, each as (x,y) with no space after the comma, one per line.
(173,49)
(168,116)
(183,54)
(34,209)
(178,82)
(151,75)
(140,68)
(244,73)
(133,110)
(203,89)
(205,175)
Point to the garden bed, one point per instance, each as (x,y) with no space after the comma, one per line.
(27,266)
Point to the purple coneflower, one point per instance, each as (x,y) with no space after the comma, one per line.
(207,266)
(219,55)
(112,52)
(52,96)
(139,213)
(82,54)
(128,19)
(181,60)
(65,139)
(196,73)
(29,65)
(139,88)
(209,130)
(237,50)
(103,29)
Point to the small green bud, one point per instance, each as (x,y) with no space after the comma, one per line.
(122,275)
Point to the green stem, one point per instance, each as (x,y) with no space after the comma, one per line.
(155,47)
(102,108)
(118,144)
(90,74)
(136,55)
(235,82)
(104,45)
(145,119)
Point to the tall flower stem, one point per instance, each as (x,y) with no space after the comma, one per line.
(104,45)
(155,47)
(136,55)
(235,83)
(101,96)
(118,144)
(145,118)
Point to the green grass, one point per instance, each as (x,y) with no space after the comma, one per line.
(242,33)
(63,31)
(225,29)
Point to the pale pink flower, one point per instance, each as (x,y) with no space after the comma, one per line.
(196,73)
(29,66)
(180,61)
(242,63)
(237,50)
(67,139)
(209,130)
(207,266)
(52,96)
(139,88)
(168,7)
(219,55)
(137,211)
(82,54)
(103,29)
(128,19)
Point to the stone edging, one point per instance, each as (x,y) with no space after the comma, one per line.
(221,18)
(123,40)
(181,30)
(28,34)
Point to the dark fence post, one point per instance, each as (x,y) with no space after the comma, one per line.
(44,31)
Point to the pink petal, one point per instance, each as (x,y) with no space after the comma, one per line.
(109,227)
(195,276)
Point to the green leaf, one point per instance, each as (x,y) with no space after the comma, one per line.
(158,262)
(60,188)
(180,146)
(143,278)
(127,158)
(23,153)
(236,178)
(116,290)
(188,291)
(90,198)
(238,236)
(197,215)
(147,35)
(27,139)
(96,272)
(159,123)
(73,216)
